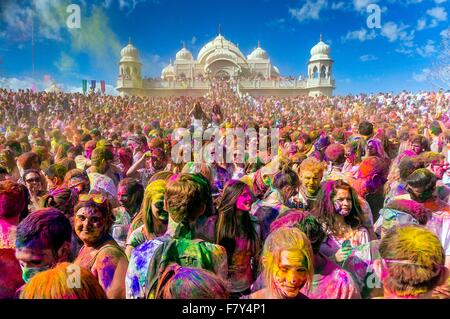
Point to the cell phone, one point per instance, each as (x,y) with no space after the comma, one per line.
(346,243)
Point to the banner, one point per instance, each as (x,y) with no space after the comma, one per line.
(103,86)
(93,85)
(84,85)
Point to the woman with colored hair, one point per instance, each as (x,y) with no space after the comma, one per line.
(236,230)
(36,185)
(287,261)
(375,148)
(190,283)
(353,154)
(151,221)
(55,284)
(100,252)
(338,209)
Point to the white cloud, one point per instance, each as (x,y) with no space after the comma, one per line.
(309,11)
(422,76)
(44,83)
(438,13)
(361,5)
(338,5)
(393,32)
(361,35)
(17,84)
(129,5)
(421,24)
(445,33)
(427,50)
(368,57)
(404,50)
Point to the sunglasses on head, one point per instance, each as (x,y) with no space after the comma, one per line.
(96,198)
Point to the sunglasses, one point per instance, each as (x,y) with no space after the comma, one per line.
(33,180)
(96,198)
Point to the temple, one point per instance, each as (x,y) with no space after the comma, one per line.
(220,58)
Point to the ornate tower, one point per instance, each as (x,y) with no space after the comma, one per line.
(129,81)
(320,81)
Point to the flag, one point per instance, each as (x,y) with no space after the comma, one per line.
(84,82)
(103,86)
(93,85)
(33,88)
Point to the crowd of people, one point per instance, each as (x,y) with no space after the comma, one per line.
(353,202)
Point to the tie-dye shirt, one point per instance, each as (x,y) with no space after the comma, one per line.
(137,278)
(360,265)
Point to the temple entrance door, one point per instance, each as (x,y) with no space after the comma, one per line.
(222,75)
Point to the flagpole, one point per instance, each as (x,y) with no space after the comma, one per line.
(32,46)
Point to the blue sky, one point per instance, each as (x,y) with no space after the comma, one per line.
(399,55)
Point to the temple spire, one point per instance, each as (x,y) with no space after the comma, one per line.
(184,44)
(129,40)
(321,37)
(219,29)
(259,44)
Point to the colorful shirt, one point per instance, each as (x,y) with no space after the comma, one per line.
(137,277)
(240,274)
(360,265)
(267,210)
(331,244)
(332,282)
(119,229)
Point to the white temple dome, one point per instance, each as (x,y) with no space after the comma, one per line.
(221,54)
(222,43)
(168,71)
(320,51)
(184,54)
(258,54)
(129,54)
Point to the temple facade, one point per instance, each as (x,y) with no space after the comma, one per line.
(220,58)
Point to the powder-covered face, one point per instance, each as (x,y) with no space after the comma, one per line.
(419,194)
(34,260)
(311,181)
(90,225)
(371,149)
(439,168)
(244,201)
(34,183)
(290,275)
(416,148)
(33,257)
(342,202)
(123,196)
(158,211)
